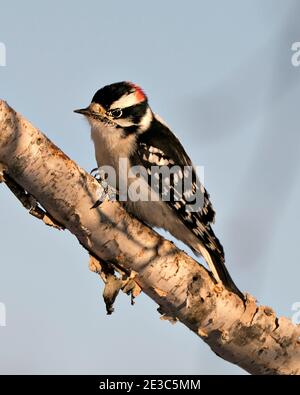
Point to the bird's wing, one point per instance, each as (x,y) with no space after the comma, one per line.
(159,146)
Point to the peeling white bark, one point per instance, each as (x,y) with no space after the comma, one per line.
(251,337)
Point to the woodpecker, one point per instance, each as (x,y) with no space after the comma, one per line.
(123,126)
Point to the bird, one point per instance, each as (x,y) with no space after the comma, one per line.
(127,134)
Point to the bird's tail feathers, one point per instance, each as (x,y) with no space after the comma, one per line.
(217,266)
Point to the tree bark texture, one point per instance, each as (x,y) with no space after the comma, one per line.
(245,334)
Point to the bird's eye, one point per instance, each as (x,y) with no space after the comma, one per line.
(116,113)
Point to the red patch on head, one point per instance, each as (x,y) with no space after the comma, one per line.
(139,93)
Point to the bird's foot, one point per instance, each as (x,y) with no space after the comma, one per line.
(107,192)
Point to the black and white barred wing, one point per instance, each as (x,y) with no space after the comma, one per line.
(177,184)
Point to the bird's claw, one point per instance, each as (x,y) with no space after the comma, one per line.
(94,172)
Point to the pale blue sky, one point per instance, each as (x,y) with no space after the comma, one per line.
(220,74)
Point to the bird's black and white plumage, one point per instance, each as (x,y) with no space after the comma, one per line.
(124,126)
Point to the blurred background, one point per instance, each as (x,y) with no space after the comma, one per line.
(220,74)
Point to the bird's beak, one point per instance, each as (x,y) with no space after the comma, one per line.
(93,110)
(84,111)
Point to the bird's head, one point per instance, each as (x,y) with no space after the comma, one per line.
(121,105)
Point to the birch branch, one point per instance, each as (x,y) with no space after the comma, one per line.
(247,335)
